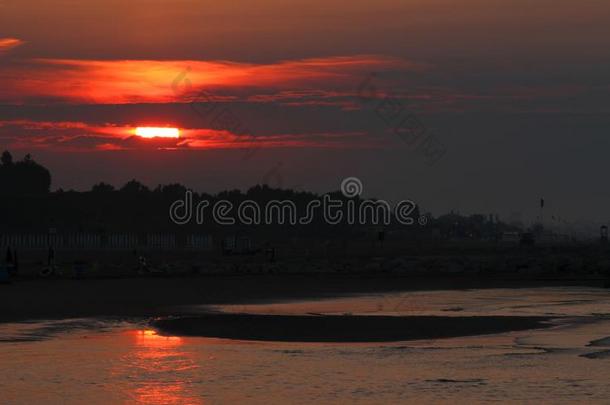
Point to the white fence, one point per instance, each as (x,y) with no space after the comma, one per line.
(161,240)
(199,242)
(122,241)
(113,241)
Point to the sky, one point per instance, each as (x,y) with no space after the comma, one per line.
(513,97)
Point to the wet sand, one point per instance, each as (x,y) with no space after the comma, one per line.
(150,297)
(97,360)
(342,328)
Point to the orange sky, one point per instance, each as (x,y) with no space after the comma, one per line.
(276,29)
(131,81)
(499,81)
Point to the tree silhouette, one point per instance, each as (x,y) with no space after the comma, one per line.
(102,187)
(25,177)
(172,190)
(134,187)
(26,203)
(7,158)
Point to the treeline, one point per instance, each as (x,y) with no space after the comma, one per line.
(24,177)
(28,205)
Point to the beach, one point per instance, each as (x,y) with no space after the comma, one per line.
(445,344)
(31,299)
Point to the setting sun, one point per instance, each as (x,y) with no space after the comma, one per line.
(156,132)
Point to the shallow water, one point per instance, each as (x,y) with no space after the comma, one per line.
(110,361)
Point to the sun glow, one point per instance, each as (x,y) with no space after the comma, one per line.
(157,132)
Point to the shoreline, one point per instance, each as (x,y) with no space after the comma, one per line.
(26,300)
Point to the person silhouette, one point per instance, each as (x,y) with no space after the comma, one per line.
(10,261)
(9,256)
(15,262)
(51,257)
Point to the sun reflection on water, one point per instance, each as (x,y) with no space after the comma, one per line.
(159,370)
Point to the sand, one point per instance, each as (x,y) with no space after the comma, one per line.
(151,297)
(341,328)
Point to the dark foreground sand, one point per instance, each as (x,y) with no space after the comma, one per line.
(153,297)
(337,328)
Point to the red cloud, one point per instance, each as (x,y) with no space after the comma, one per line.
(145,81)
(6,44)
(79,136)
